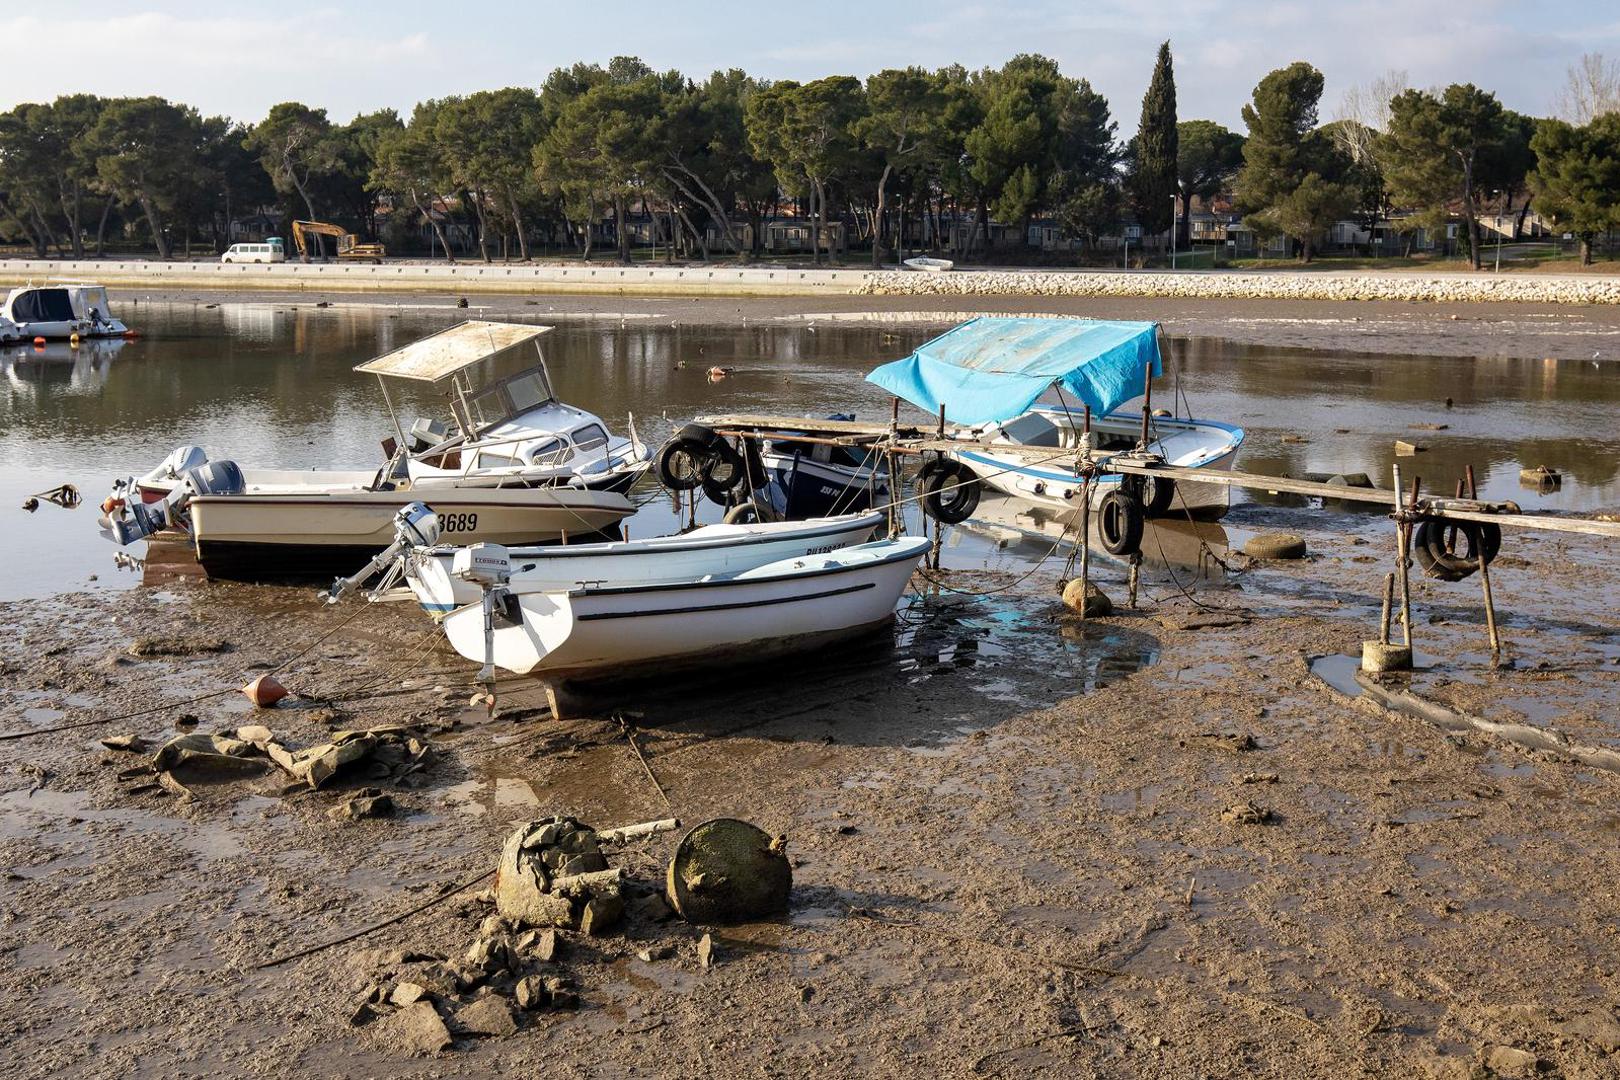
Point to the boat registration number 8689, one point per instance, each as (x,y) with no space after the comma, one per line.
(458,522)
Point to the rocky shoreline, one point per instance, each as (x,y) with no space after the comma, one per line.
(783,281)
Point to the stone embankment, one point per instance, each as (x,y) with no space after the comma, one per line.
(1275,285)
(723,280)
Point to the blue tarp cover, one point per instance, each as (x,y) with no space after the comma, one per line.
(994,369)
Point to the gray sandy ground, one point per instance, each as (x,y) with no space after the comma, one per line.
(1001,868)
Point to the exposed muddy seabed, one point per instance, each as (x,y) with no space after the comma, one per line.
(984,884)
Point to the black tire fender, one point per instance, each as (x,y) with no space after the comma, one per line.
(680,463)
(950,492)
(1157,493)
(1120,521)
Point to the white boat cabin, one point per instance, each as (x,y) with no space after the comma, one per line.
(59,311)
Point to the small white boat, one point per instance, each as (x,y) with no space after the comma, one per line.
(599,633)
(1193,444)
(928,265)
(58,311)
(712,550)
(1036,404)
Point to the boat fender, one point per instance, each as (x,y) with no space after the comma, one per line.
(679,466)
(1119,521)
(951,493)
(1157,493)
(1478,539)
(750,513)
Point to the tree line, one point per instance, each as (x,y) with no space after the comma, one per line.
(907,152)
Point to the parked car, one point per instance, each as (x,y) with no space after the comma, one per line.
(270,251)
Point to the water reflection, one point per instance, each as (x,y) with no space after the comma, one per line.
(271,383)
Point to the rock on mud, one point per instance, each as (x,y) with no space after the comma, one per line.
(415,1029)
(1085,599)
(489,1015)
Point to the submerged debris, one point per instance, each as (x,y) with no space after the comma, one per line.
(177,645)
(1247,813)
(1275,546)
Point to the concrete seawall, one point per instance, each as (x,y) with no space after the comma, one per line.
(1416,287)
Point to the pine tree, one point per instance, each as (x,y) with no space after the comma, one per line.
(1153,165)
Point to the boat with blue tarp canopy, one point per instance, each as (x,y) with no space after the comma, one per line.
(993,368)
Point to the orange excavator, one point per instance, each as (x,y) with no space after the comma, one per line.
(349,247)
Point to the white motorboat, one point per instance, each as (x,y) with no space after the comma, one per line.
(605,632)
(507,432)
(928,265)
(710,550)
(521,468)
(1194,444)
(58,311)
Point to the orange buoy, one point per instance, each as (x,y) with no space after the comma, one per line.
(39,343)
(109,504)
(264,691)
(73,339)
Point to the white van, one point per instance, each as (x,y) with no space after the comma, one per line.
(270,251)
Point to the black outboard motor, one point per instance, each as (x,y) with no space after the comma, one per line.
(138,520)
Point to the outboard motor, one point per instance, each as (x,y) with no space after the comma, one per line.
(134,520)
(181,460)
(490,567)
(415,525)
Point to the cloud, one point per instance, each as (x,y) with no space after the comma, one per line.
(231,64)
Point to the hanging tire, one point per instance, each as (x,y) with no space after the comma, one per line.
(722,473)
(1156,493)
(1437,546)
(950,492)
(750,513)
(680,463)
(1119,521)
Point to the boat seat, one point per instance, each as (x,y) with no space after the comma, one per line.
(1032,429)
(426,432)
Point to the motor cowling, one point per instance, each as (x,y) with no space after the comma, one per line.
(181,460)
(482,564)
(417,525)
(215,478)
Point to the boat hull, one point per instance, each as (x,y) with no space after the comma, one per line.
(713,550)
(1052,485)
(277,536)
(599,635)
(812,489)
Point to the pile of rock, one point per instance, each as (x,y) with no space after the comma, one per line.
(1410,287)
(553,873)
(422,1002)
(553,877)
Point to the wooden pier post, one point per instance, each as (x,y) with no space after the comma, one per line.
(1485,583)
(1085,544)
(1389,600)
(1402,541)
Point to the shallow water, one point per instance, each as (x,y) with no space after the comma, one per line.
(271,384)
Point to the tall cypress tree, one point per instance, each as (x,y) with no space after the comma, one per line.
(1153,165)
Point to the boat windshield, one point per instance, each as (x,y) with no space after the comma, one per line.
(511,397)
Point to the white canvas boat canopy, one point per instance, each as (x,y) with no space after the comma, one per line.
(436,358)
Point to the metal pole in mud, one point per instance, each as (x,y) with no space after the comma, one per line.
(1133,577)
(1485,582)
(1400,560)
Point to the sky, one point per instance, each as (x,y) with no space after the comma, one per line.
(238,59)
